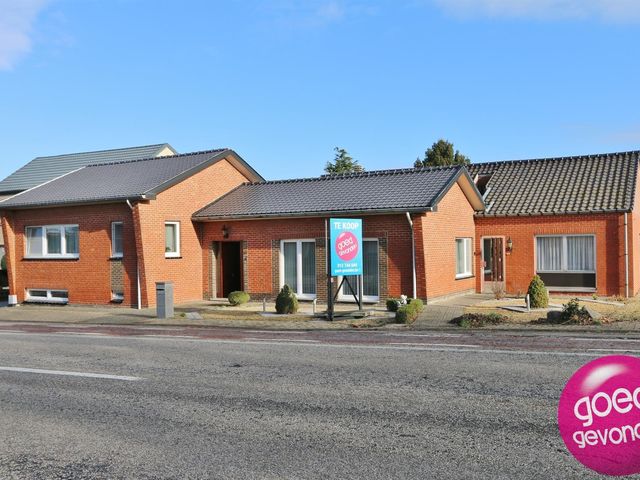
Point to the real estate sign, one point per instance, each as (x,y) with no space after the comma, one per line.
(346,246)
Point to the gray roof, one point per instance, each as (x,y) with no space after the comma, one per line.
(43,169)
(369,192)
(139,179)
(564,185)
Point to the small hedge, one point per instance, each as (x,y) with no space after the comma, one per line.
(393,304)
(478,320)
(538,295)
(573,313)
(286,301)
(238,298)
(408,314)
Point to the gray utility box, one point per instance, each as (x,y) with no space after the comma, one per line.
(164,299)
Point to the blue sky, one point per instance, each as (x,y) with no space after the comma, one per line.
(284,81)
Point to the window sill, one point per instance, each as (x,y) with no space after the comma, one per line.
(464,277)
(115,257)
(173,257)
(49,259)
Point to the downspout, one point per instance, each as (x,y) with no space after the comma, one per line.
(413,255)
(626,255)
(139,290)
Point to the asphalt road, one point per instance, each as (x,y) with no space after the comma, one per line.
(248,404)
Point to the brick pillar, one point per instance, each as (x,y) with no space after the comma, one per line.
(10,252)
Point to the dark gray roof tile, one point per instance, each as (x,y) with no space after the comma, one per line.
(44,169)
(552,186)
(115,181)
(376,191)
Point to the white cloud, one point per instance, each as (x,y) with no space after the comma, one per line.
(608,10)
(16,22)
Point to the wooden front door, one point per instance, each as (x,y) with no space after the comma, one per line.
(493,262)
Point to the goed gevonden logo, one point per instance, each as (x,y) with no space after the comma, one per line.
(599,415)
(347,246)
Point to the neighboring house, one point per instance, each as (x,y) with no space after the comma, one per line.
(260,236)
(575,221)
(43,169)
(107,232)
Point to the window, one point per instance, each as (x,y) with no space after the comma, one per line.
(47,296)
(567,262)
(569,253)
(298,267)
(116,240)
(172,239)
(464,255)
(370,277)
(52,241)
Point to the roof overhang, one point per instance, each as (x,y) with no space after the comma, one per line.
(321,214)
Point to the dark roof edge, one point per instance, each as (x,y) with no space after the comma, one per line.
(462,171)
(75,203)
(312,214)
(159,145)
(549,159)
(553,214)
(220,155)
(40,185)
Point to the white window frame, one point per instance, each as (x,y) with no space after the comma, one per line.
(49,298)
(298,242)
(365,298)
(468,251)
(565,255)
(115,254)
(175,254)
(45,246)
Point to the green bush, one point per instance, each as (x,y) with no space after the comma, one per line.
(478,320)
(238,298)
(572,312)
(286,301)
(538,295)
(393,304)
(408,314)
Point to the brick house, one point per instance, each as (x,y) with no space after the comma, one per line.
(260,236)
(105,233)
(44,169)
(575,221)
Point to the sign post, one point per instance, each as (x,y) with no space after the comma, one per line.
(344,252)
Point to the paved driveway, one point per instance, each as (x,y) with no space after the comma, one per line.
(440,313)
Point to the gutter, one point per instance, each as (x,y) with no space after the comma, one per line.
(413,255)
(139,290)
(626,255)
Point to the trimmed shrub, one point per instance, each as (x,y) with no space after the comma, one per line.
(478,320)
(393,304)
(538,295)
(408,314)
(286,301)
(238,298)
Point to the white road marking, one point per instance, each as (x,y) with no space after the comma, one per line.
(625,350)
(70,374)
(280,340)
(436,344)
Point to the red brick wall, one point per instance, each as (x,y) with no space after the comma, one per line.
(178,203)
(88,278)
(520,264)
(453,219)
(260,235)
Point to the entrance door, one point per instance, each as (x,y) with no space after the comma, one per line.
(230,265)
(493,257)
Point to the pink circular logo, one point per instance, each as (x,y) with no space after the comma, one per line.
(599,415)
(347,246)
